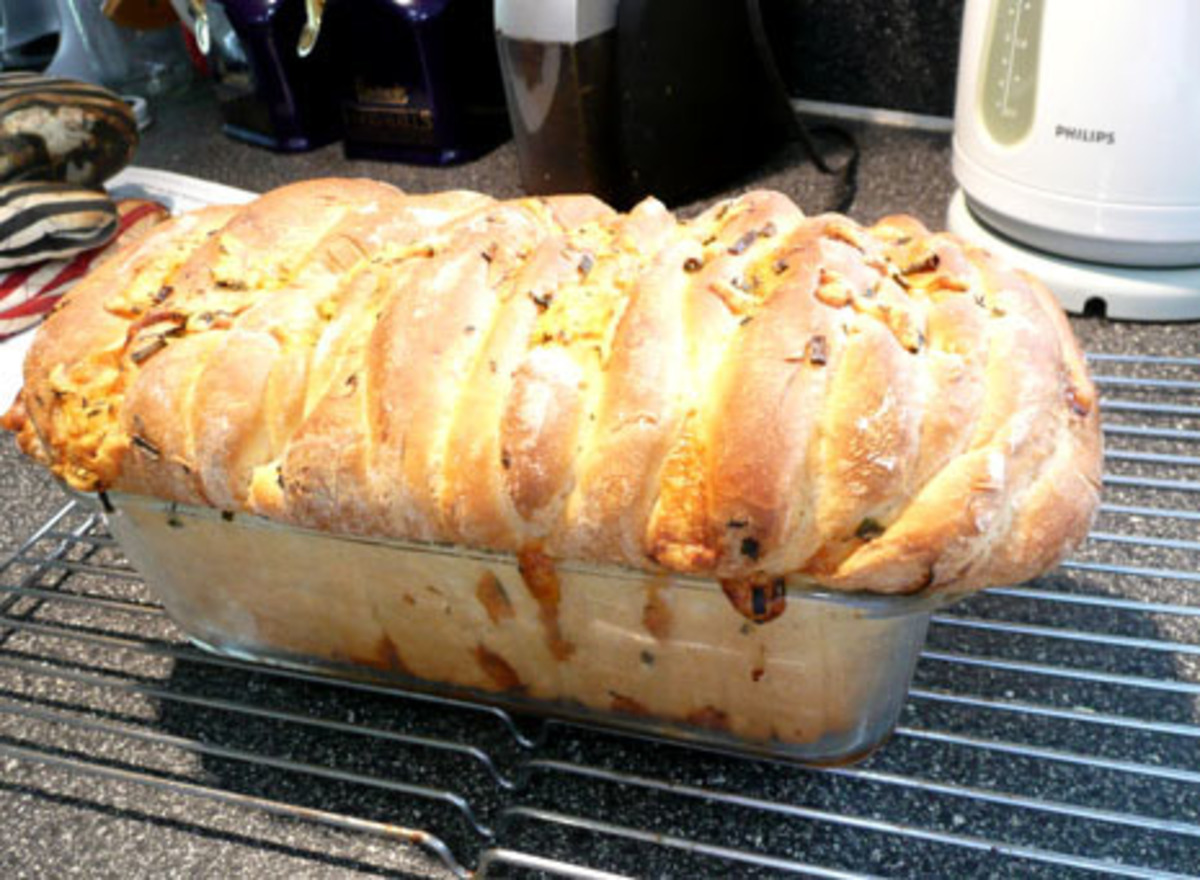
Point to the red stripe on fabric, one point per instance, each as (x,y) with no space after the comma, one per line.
(26,314)
(37,306)
(74,270)
(16,279)
(144,210)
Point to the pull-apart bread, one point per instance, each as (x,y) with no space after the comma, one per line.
(751,395)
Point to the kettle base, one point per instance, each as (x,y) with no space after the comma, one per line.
(1121,292)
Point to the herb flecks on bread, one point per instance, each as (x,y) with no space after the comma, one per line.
(748,395)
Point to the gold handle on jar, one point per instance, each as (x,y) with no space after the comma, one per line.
(313,10)
(199,11)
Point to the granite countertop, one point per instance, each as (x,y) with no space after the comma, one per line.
(63,824)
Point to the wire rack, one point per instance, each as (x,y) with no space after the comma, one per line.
(1053,728)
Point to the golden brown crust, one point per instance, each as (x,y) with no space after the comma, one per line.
(746,395)
(78,360)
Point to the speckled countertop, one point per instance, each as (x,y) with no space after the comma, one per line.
(61,823)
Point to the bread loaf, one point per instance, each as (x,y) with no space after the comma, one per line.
(747,395)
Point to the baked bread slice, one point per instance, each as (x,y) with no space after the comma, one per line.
(748,395)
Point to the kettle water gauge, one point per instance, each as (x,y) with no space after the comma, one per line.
(1009,79)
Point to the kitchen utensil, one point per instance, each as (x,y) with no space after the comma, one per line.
(94,49)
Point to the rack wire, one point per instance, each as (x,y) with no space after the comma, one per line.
(1053,728)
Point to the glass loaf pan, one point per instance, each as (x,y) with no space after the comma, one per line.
(666,656)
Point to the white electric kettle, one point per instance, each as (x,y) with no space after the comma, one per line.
(1077,131)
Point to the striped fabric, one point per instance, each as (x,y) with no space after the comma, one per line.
(62,129)
(40,221)
(28,293)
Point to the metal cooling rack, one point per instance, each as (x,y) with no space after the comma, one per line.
(1053,728)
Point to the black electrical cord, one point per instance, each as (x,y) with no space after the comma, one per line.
(847,172)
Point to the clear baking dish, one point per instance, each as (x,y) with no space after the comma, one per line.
(824,682)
